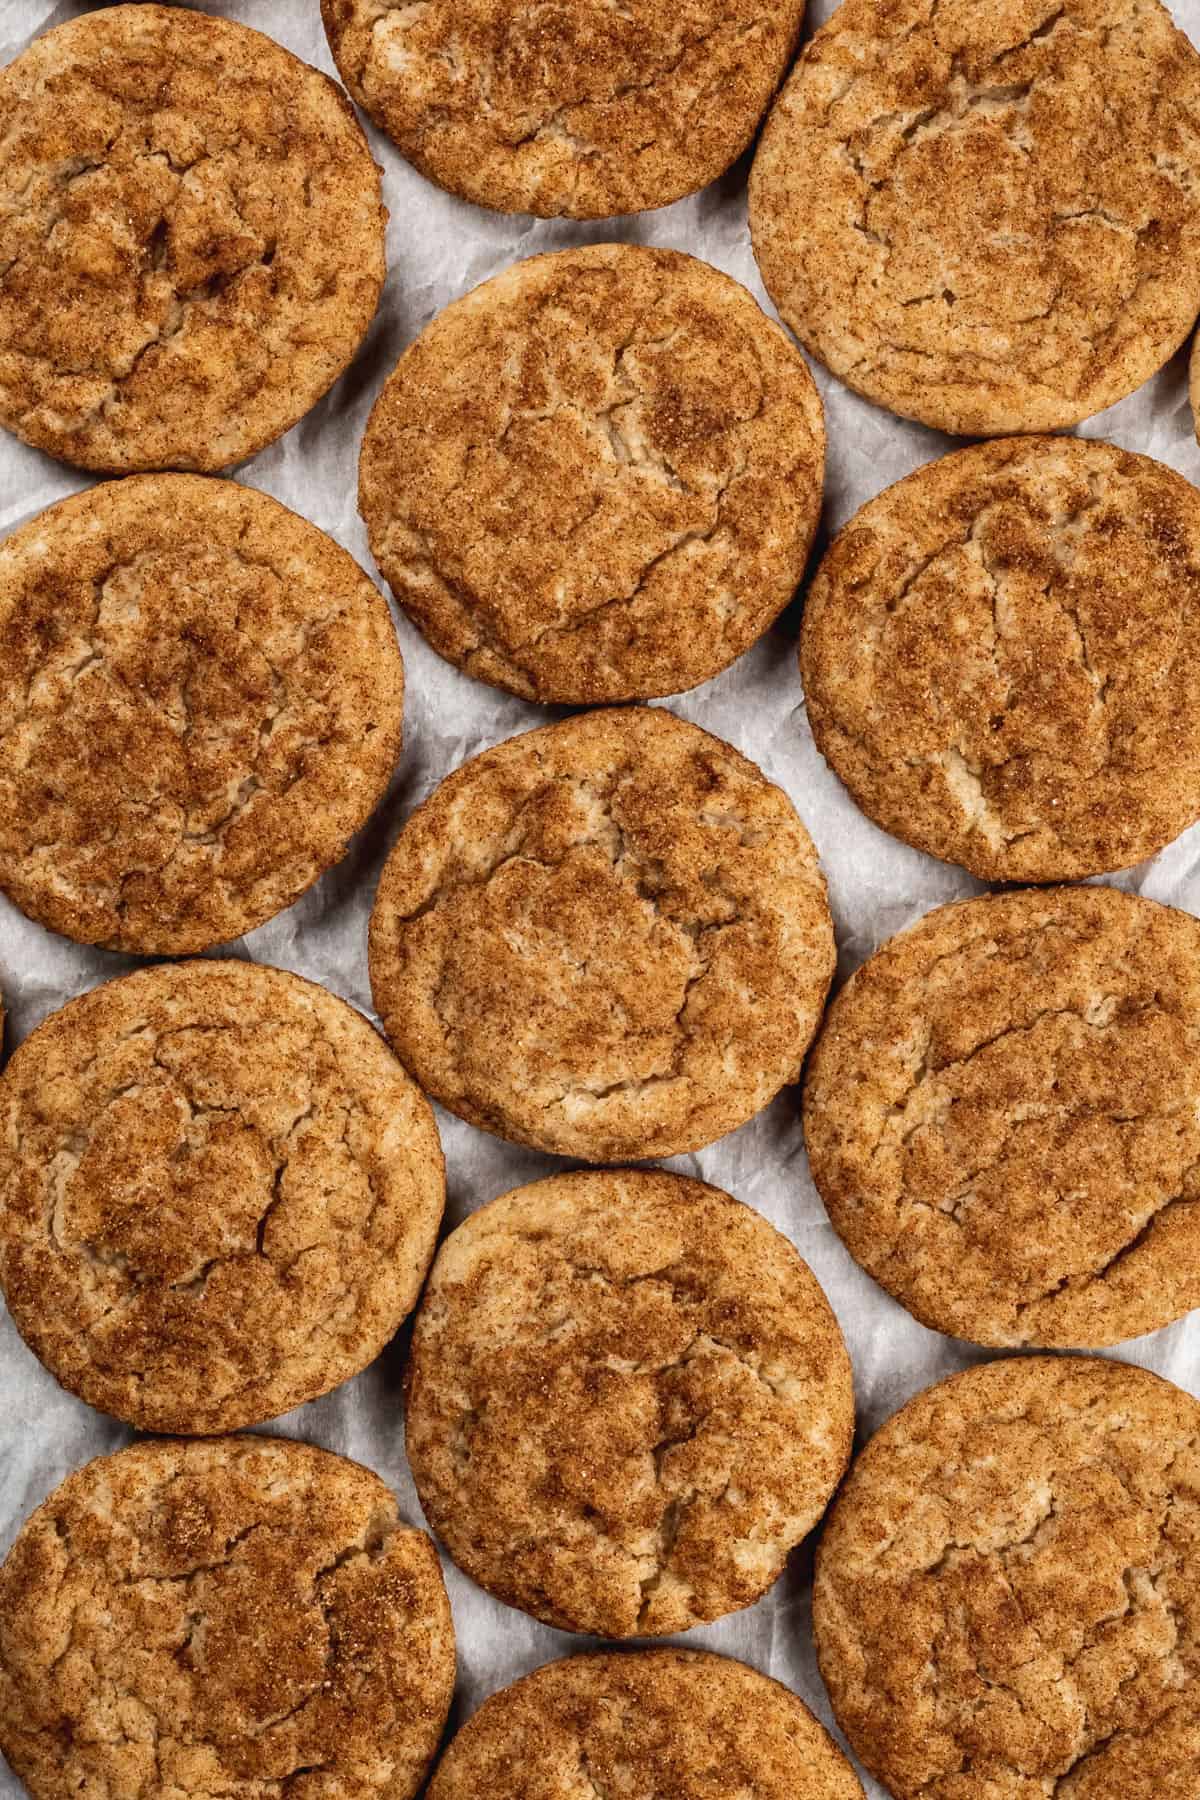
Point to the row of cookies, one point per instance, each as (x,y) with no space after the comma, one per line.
(609,939)
(983,218)
(986,222)
(1000,1110)
(222,1196)
(251,1615)
(1005,1601)
(201,694)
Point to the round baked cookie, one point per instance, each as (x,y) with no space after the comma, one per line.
(1001,658)
(191,240)
(245,1617)
(200,702)
(657,437)
(579,109)
(608,938)
(985,217)
(1007,1593)
(1002,1115)
(678,1722)
(628,1400)
(219,1196)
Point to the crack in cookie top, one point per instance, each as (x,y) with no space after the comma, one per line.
(985,214)
(1001,658)
(200,703)
(1007,1593)
(580,108)
(191,240)
(247,1617)
(596,477)
(219,1194)
(1002,1115)
(678,1722)
(606,938)
(628,1400)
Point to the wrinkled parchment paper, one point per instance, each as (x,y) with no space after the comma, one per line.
(439,247)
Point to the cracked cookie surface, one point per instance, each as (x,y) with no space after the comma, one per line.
(986,217)
(678,1722)
(628,1400)
(660,443)
(200,703)
(575,108)
(191,240)
(1002,1115)
(607,938)
(1001,658)
(219,1197)
(1007,1593)
(248,1617)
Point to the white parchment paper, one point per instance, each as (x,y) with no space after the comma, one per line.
(437,248)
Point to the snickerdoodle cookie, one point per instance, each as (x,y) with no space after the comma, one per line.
(596,477)
(200,703)
(1001,658)
(1007,1596)
(628,1400)
(986,217)
(677,1722)
(581,109)
(1003,1117)
(606,938)
(191,240)
(219,1194)
(246,1617)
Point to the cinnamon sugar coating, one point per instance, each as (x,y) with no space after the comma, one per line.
(1007,1595)
(608,938)
(1001,658)
(246,1617)
(986,217)
(191,240)
(1002,1115)
(675,1722)
(596,477)
(219,1194)
(583,109)
(200,703)
(628,1400)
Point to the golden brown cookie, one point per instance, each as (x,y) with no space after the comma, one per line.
(191,240)
(628,1400)
(219,1197)
(582,108)
(985,216)
(660,443)
(1001,658)
(608,938)
(246,1617)
(677,1722)
(1007,1596)
(200,703)
(1002,1115)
